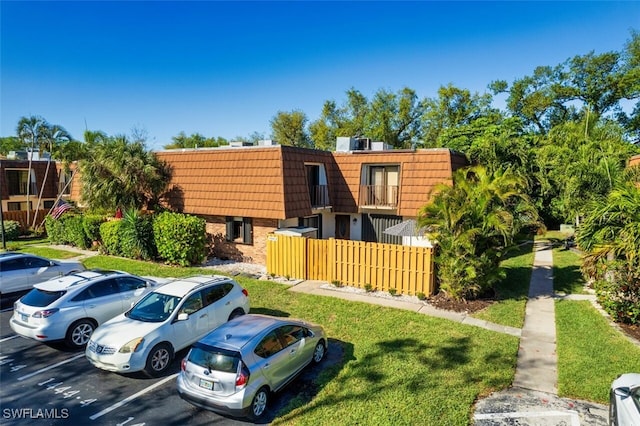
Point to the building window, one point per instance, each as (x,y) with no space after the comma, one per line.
(312,222)
(239,230)
(18,182)
(64,187)
(48,204)
(13,206)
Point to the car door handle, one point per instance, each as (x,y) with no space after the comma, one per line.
(293,352)
(203,315)
(91,306)
(228,303)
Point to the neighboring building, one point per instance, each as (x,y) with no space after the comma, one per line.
(246,193)
(16,181)
(634,161)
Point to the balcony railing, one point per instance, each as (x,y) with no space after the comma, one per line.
(20,188)
(379,196)
(319,195)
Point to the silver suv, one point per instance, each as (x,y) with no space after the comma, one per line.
(70,308)
(235,368)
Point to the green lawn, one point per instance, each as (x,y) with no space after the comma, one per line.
(591,353)
(566,272)
(512,292)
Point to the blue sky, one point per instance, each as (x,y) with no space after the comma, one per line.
(226,68)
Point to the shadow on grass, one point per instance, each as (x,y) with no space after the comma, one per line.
(518,275)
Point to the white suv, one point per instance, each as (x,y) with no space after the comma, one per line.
(72,306)
(168,319)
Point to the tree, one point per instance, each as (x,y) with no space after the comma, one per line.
(591,84)
(10,143)
(289,128)
(120,173)
(30,130)
(474,222)
(53,136)
(195,140)
(455,117)
(393,118)
(574,166)
(610,235)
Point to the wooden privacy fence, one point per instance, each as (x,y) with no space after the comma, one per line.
(409,270)
(21,217)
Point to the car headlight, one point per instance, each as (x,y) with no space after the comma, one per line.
(131,346)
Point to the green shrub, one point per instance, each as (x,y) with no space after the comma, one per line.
(619,295)
(421,296)
(91,225)
(55,230)
(11,230)
(180,239)
(368,287)
(109,232)
(393,291)
(74,231)
(136,236)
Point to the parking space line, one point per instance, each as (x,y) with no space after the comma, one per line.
(132,397)
(9,338)
(42,370)
(7,310)
(573,415)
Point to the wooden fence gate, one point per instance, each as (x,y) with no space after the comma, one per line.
(408,270)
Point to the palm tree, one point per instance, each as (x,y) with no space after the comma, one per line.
(52,137)
(30,130)
(119,173)
(474,222)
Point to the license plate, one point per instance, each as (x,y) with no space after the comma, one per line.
(206,384)
(24,317)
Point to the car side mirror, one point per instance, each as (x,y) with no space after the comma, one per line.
(623,392)
(183,317)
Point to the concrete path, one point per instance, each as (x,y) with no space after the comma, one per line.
(537,367)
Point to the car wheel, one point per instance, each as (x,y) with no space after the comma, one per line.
(259,403)
(318,352)
(613,421)
(79,333)
(236,313)
(158,360)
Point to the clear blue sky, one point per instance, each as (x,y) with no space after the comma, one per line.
(226,68)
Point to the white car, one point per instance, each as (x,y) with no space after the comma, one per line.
(624,407)
(168,319)
(71,307)
(20,271)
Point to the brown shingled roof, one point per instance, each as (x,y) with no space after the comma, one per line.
(634,161)
(228,182)
(271,182)
(420,171)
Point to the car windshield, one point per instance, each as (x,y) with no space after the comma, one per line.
(215,359)
(40,298)
(154,307)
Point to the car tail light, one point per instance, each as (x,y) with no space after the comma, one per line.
(183,364)
(45,313)
(245,292)
(243,376)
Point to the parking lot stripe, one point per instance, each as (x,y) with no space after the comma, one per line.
(573,415)
(7,310)
(132,397)
(42,370)
(9,338)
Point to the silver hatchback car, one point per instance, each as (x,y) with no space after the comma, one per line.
(235,368)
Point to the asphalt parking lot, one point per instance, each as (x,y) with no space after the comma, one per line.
(50,385)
